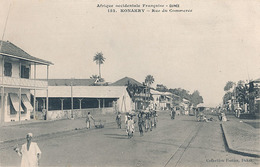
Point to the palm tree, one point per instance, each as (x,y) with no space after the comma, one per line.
(149,80)
(99,59)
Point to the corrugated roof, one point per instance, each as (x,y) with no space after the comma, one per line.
(84,91)
(11,50)
(124,81)
(68,82)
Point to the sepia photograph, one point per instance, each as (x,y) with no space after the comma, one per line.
(129,83)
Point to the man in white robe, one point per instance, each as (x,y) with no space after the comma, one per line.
(29,152)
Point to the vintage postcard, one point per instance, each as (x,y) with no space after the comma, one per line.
(131,83)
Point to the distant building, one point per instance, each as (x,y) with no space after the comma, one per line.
(161,100)
(126,81)
(139,93)
(17,80)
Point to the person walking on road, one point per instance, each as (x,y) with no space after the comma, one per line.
(140,123)
(29,152)
(89,116)
(155,119)
(173,113)
(118,120)
(130,127)
(147,121)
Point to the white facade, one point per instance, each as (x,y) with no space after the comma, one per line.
(16,82)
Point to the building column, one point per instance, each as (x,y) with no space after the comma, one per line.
(43,104)
(20,95)
(47,97)
(103,103)
(34,97)
(62,104)
(2,113)
(71,89)
(98,103)
(80,103)
(80,100)
(2,92)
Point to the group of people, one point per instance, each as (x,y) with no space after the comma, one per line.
(147,120)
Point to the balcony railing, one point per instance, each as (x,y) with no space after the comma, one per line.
(22,82)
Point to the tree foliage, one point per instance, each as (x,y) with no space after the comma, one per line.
(184,94)
(229,85)
(149,80)
(161,88)
(196,98)
(99,59)
(241,92)
(227,97)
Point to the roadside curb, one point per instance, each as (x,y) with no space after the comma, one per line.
(231,150)
(49,134)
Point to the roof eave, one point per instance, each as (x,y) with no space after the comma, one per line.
(22,58)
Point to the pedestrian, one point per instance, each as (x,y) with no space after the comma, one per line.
(173,113)
(118,120)
(130,127)
(223,117)
(155,119)
(151,120)
(126,119)
(140,123)
(29,152)
(89,116)
(147,121)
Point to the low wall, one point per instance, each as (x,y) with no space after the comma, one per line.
(77,113)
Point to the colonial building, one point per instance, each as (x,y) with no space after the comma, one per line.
(161,100)
(254,97)
(17,68)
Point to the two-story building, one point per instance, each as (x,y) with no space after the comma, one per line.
(18,79)
(161,100)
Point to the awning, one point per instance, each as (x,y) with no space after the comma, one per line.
(15,101)
(26,102)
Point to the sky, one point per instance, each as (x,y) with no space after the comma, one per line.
(217,42)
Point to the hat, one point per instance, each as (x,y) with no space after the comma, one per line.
(30,134)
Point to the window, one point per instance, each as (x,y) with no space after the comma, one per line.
(8,69)
(25,72)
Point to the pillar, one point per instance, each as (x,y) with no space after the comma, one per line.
(20,104)
(103,103)
(80,107)
(80,103)
(47,97)
(2,92)
(98,103)
(62,104)
(34,97)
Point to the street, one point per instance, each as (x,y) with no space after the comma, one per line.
(178,142)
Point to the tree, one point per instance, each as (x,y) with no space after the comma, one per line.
(227,97)
(241,92)
(94,77)
(161,88)
(99,59)
(149,80)
(229,85)
(196,98)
